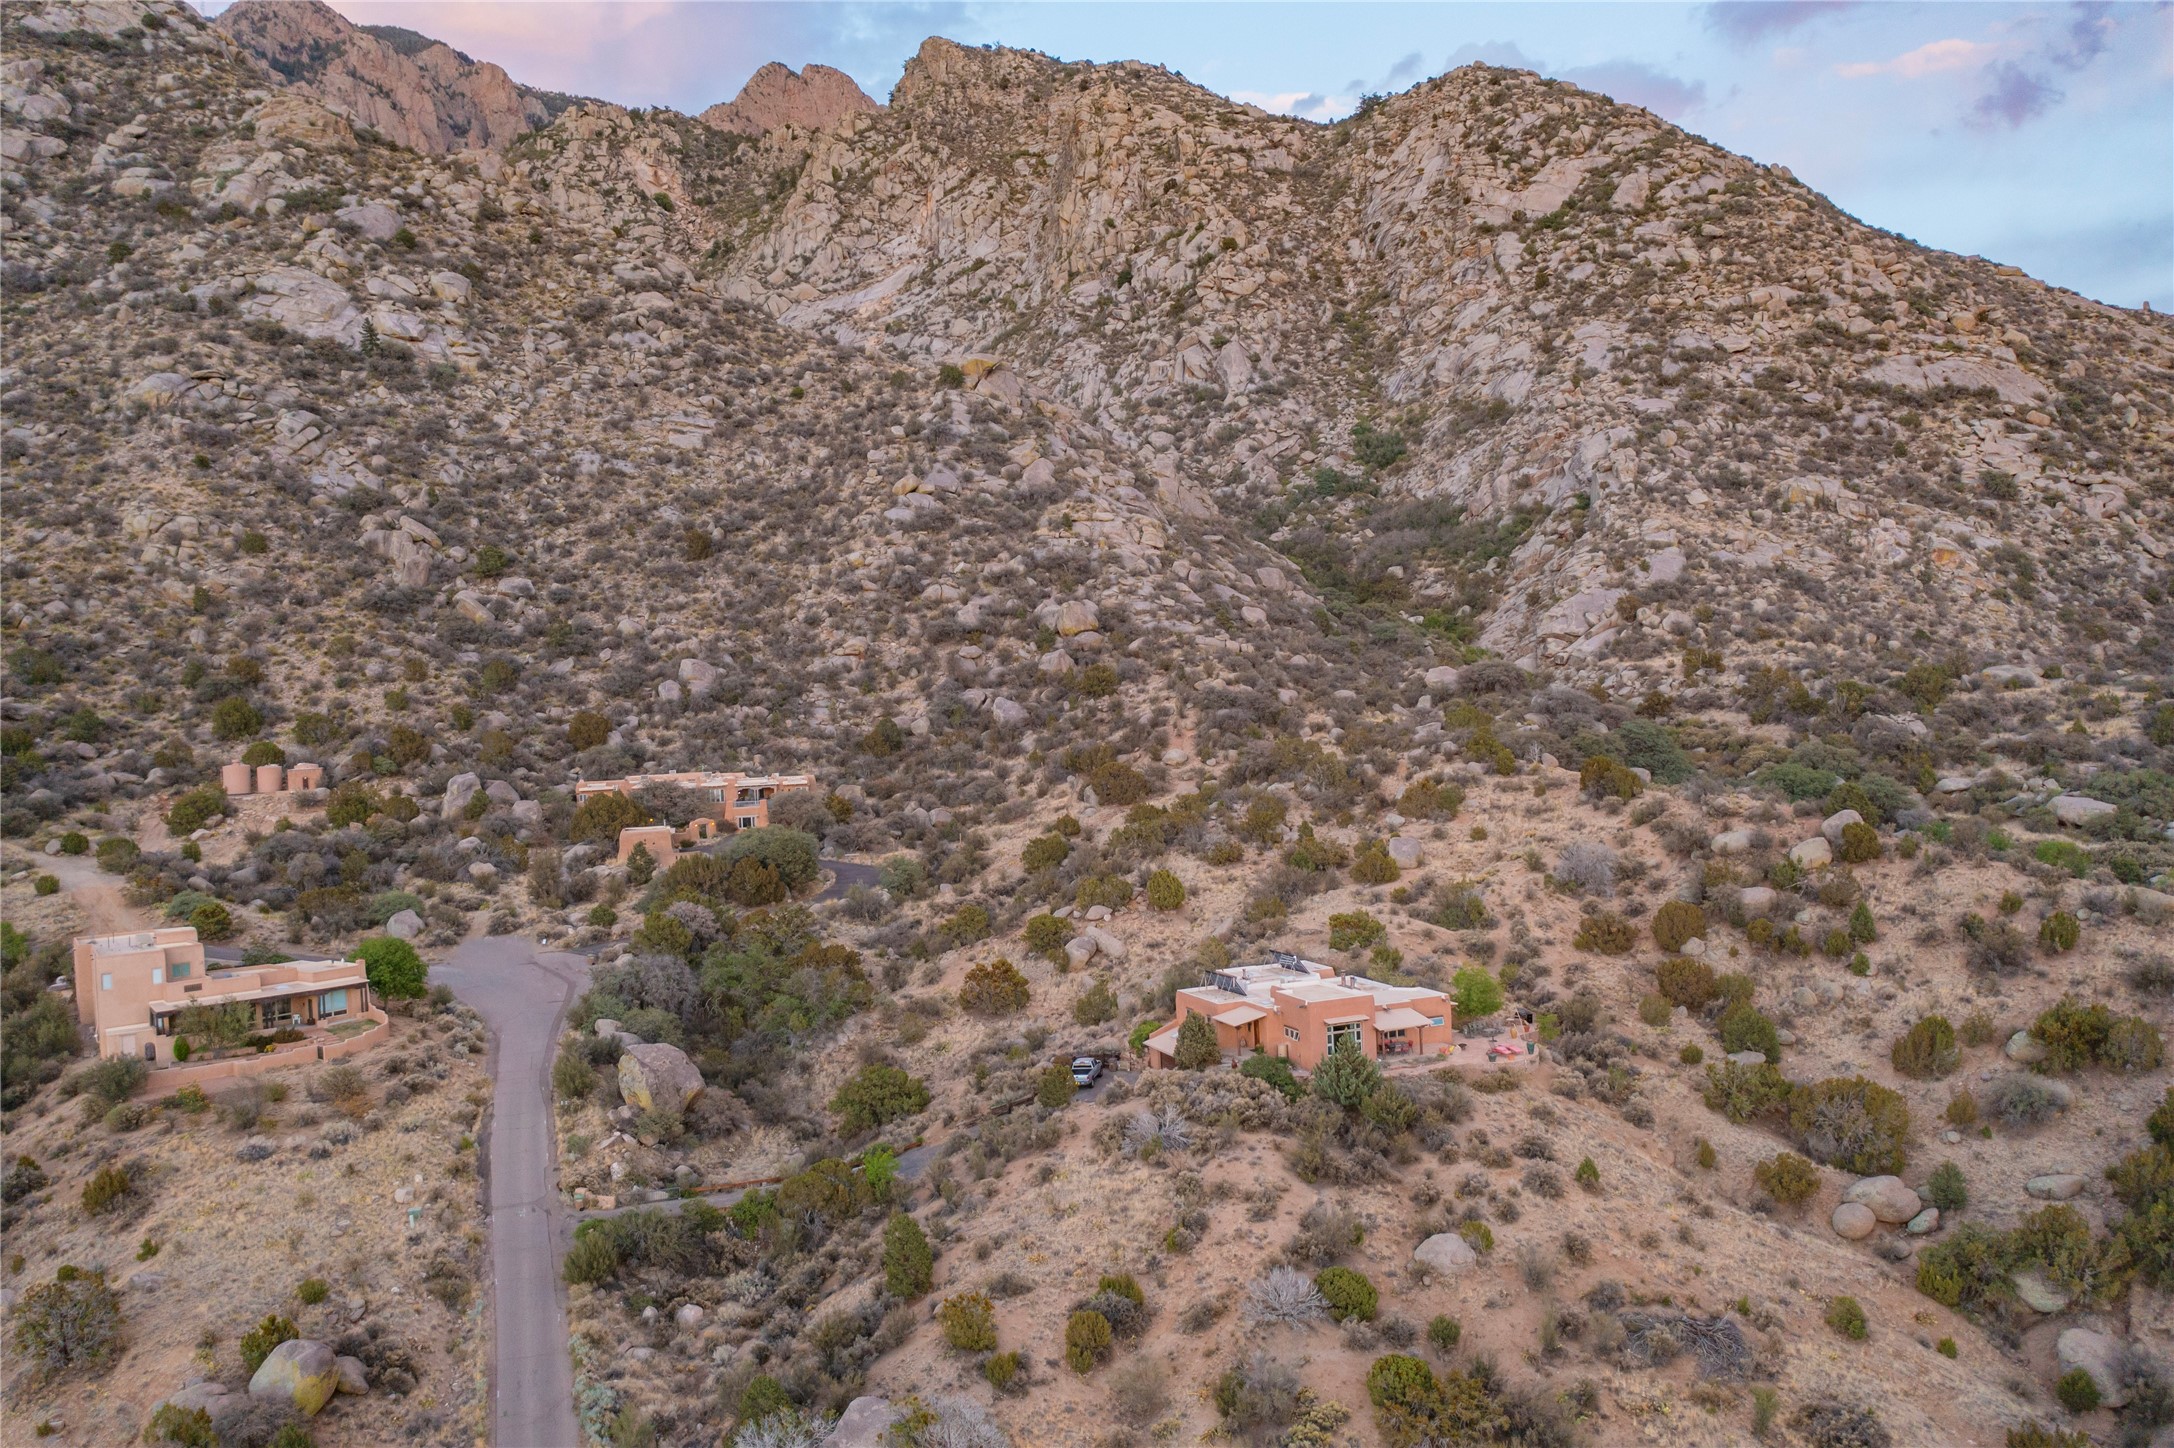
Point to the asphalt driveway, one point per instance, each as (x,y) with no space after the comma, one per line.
(523,993)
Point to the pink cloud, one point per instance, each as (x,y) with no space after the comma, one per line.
(1933,58)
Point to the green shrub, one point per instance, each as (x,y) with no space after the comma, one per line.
(1444,1333)
(1605,933)
(1054,1088)
(117,854)
(1002,1369)
(108,1188)
(1847,1316)
(1745,1029)
(313,1290)
(2063,855)
(968,1322)
(1044,852)
(1275,1071)
(72,1321)
(192,810)
(1354,930)
(1860,844)
(1097,1004)
(1788,1178)
(235,718)
(1742,1093)
(790,852)
(2059,932)
(1348,1294)
(2077,1391)
(1946,1189)
(1478,994)
(1197,1048)
(1677,922)
(593,1258)
(1087,1340)
(762,1399)
(394,969)
(1165,891)
(184,1427)
(1112,891)
(1587,1175)
(1927,1051)
(2074,1034)
(2133,1045)
(875,1095)
(1691,1054)
(258,1342)
(1686,982)
(994,988)
(212,921)
(1046,936)
(1851,1123)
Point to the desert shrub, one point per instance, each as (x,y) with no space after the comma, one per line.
(109,1188)
(1787,1178)
(1946,1189)
(1686,982)
(2058,933)
(1044,852)
(1851,1123)
(1745,1029)
(109,1081)
(2133,1045)
(1284,1295)
(2078,1034)
(1428,798)
(1374,865)
(1354,930)
(1676,922)
(968,1322)
(1587,866)
(2038,1435)
(908,1261)
(1415,1408)
(790,852)
(877,1094)
(1603,778)
(994,988)
(1927,1051)
(1860,844)
(1165,891)
(1004,1371)
(1846,1315)
(2077,1391)
(572,1077)
(1605,933)
(1347,1293)
(1742,1092)
(1444,1333)
(258,1342)
(1097,1004)
(1087,1339)
(72,1321)
(2019,1101)
(1113,891)
(1346,1076)
(1054,1087)
(592,1259)
(1046,936)
(184,1427)
(1653,1009)
(190,811)
(602,816)
(1275,1071)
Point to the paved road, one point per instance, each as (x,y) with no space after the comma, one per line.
(522,994)
(845,874)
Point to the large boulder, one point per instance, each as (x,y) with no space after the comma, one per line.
(1814,854)
(865,1423)
(2025,1049)
(658,1076)
(2055,1186)
(2076,809)
(2098,1354)
(1890,1200)
(1447,1253)
(404,925)
(458,791)
(1853,1221)
(303,1372)
(1407,851)
(2038,1292)
(1832,826)
(354,1377)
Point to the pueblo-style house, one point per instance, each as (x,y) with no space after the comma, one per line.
(1301,1010)
(725,801)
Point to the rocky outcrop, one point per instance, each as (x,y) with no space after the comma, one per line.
(436,100)
(299,1371)
(658,1076)
(814,99)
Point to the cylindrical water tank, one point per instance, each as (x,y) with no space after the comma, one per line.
(270,778)
(234,779)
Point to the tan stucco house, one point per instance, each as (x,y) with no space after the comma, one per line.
(728,800)
(129,989)
(1300,1010)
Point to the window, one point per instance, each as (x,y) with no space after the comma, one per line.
(333,1003)
(1434,1021)
(105,981)
(179,970)
(158,977)
(1344,1031)
(1291,1033)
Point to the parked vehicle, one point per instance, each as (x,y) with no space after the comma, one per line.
(1086,1070)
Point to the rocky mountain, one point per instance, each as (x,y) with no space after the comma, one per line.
(814,99)
(1498,542)
(416,92)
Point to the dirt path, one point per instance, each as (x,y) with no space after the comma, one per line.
(522,993)
(105,910)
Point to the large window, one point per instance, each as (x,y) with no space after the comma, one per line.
(1343,1032)
(332,1003)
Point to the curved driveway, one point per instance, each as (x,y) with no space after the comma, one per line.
(522,994)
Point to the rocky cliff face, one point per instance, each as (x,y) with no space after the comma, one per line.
(815,99)
(435,100)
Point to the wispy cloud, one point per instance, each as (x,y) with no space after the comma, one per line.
(1932,58)
(1747,22)
(1638,84)
(2014,97)
(1306,105)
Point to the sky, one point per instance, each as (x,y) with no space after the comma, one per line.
(2037,134)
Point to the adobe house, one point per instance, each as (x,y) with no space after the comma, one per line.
(131,989)
(660,840)
(729,801)
(1300,1009)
